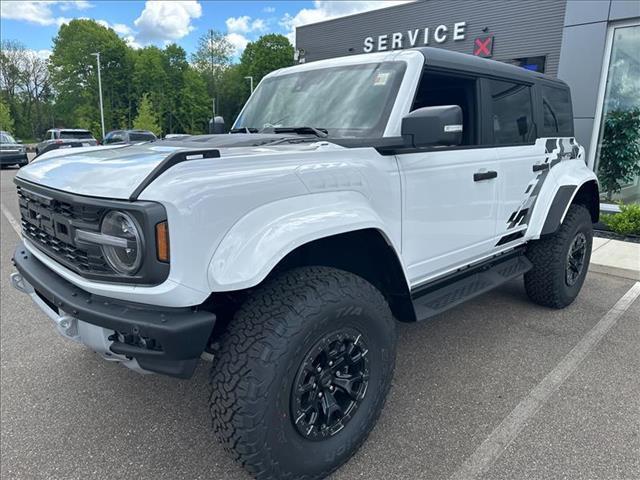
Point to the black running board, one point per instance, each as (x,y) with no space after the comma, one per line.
(455,289)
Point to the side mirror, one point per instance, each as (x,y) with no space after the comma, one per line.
(433,126)
(217,126)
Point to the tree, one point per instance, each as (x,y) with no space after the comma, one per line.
(192,114)
(147,118)
(268,53)
(25,84)
(74,73)
(6,122)
(213,53)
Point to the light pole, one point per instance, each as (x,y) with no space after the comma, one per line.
(97,55)
(250,80)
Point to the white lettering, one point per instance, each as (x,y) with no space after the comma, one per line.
(426,36)
(458,30)
(382,42)
(368,45)
(440,34)
(413,37)
(396,41)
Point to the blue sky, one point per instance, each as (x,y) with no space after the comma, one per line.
(141,23)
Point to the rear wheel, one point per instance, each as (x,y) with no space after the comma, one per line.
(302,373)
(560,261)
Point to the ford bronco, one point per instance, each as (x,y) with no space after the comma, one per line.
(351,194)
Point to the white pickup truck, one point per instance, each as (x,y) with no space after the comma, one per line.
(351,194)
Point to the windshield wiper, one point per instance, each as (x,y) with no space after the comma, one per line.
(318,132)
(244,130)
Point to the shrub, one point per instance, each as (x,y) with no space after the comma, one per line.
(627,222)
(620,150)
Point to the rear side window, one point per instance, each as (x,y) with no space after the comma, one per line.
(141,137)
(512,113)
(71,134)
(556,110)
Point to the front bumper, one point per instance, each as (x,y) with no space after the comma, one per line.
(159,339)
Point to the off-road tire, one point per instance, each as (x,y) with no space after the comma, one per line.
(265,344)
(546,282)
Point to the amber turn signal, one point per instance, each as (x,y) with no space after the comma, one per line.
(162,241)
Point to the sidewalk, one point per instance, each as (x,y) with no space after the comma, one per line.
(615,257)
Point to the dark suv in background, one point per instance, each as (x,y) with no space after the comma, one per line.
(65,138)
(129,136)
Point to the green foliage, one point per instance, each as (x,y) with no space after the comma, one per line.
(619,160)
(627,222)
(268,53)
(75,75)
(6,122)
(63,91)
(147,118)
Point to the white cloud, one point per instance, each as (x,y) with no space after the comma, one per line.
(43,54)
(40,13)
(244,24)
(269,9)
(327,9)
(166,21)
(238,41)
(125,31)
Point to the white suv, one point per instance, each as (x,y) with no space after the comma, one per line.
(352,193)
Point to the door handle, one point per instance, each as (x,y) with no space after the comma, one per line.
(479,176)
(540,166)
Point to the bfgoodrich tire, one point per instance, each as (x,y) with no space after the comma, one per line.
(302,373)
(560,261)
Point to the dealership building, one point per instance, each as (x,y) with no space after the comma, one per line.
(593,45)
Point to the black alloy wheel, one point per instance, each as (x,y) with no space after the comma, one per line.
(330,385)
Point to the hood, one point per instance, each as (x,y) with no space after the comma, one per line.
(115,172)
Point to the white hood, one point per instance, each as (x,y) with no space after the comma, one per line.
(116,172)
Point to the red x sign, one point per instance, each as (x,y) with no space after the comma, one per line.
(483,47)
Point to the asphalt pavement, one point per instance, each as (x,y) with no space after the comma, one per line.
(66,414)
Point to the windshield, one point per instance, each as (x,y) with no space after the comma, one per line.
(347,101)
(75,134)
(6,138)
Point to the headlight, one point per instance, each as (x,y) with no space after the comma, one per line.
(127,257)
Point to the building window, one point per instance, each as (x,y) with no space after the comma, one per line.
(535,64)
(617,158)
(512,111)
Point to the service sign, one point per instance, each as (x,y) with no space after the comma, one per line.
(415,38)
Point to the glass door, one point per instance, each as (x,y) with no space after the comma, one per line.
(617,153)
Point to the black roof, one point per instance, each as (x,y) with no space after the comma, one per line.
(463,62)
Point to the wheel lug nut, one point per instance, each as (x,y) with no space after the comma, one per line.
(319,369)
(320,394)
(314,385)
(332,388)
(331,364)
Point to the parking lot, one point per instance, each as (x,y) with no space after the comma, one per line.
(493,389)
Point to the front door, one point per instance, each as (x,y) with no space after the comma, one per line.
(450,205)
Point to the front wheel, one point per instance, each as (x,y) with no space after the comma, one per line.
(560,261)
(302,373)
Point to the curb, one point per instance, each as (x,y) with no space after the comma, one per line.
(615,271)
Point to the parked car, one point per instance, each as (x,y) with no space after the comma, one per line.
(65,138)
(11,151)
(129,137)
(176,136)
(358,192)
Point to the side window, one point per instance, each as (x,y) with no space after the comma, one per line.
(512,113)
(557,113)
(437,89)
(114,138)
(52,135)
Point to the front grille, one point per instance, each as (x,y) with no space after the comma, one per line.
(50,223)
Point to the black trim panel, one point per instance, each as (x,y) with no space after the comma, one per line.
(557,209)
(170,161)
(182,333)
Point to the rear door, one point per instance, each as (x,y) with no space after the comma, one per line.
(513,132)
